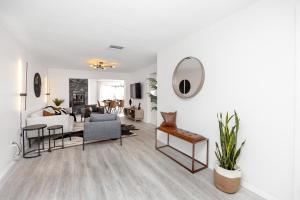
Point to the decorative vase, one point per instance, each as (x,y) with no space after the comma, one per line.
(130,102)
(227,180)
(139,108)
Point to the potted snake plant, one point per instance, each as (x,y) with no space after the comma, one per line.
(227,175)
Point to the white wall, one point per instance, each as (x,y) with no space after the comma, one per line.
(93,91)
(59,80)
(297,110)
(250,67)
(11,56)
(141,76)
(13,59)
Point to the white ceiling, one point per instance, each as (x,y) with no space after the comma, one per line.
(65,33)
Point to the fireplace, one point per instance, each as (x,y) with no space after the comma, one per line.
(78,98)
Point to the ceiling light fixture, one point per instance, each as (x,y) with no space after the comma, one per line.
(101,64)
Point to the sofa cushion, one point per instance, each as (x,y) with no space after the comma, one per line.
(102,117)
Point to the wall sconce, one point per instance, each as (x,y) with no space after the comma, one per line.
(24,94)
(48,90)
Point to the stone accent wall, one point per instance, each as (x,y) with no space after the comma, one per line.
(78,94)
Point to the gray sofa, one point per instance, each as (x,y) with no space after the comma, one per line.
(102,127)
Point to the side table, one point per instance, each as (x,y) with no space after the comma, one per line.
(39,128)
(53,128)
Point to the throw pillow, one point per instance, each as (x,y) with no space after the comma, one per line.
(49,111)
(46,113)
(57,112)
(87,112)
(64,111)
(169,119)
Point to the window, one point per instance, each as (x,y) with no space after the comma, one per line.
(111,90)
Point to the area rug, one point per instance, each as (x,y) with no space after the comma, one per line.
(76,140)
(79,126)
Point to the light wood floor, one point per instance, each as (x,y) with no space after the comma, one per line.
(106,170)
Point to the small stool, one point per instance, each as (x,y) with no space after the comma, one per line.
(54,128)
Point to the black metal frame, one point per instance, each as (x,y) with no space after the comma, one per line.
(193,170)
(62,138)
(39,143)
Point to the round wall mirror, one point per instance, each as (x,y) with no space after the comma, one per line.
(188,77)
(37,84)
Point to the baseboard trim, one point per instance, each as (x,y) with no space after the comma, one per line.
(258,191)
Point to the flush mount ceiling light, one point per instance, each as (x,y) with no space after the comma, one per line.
(101,64)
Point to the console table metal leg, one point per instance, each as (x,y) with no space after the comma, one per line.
(23,143)
(39,143)
(155,138)
(193,158)
(49,141)
(207,152)
(43,139)
(168,141)
(54,138)
(82,141)
(62,137)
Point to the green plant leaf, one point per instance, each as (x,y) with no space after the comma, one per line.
(227,153)
(57,101)
(236,156)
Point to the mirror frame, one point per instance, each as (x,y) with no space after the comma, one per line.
(200,85)
(37,84)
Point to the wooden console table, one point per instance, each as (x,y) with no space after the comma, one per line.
(134,114)
(187,136)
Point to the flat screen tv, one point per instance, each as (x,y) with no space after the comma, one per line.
(136,91)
